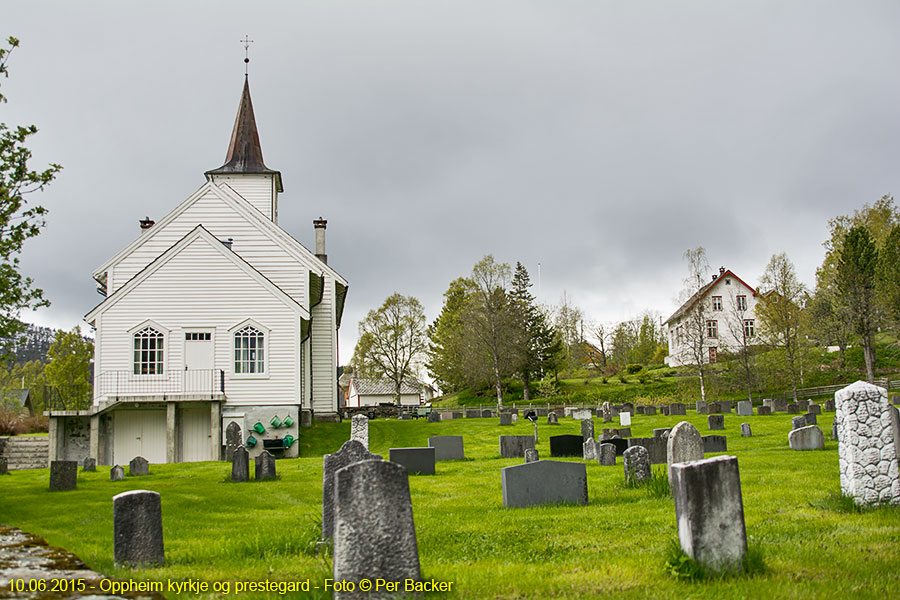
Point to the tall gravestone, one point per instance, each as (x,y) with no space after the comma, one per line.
(359,429)
(138,466)
(606,412)
(607,455)
(63,475)
(709,511)
(868,430)
(684,445)
(544,482)
(829,405)
(637,464)
(350,453)
(117,473)
(265,466)
(137,529)
(240,465)
(233,438)
(701,407)
(624,419)
(587,429)
(745,430)
(590,450)
(374,548)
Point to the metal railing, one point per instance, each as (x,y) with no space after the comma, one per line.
(198,382)
(829,390)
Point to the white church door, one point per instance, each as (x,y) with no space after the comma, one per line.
(198,351)
(195,432)
(140,433)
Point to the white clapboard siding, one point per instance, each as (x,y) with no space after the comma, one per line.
(221,219)
(200,288)
(258,190)
(323,343)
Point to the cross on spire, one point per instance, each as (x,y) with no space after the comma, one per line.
(246,41)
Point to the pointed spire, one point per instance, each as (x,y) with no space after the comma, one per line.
(244,151)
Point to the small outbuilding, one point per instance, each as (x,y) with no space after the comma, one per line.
(368,392)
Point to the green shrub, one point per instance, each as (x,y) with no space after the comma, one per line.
(633,368)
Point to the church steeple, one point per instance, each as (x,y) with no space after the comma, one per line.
(244,150)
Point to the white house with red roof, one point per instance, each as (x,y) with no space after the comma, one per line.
(725,308)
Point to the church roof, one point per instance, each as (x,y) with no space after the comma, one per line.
(244,150)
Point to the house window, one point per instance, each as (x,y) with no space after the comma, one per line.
(748,328)
(717,302)
(712,354)
(148,352)
(712,329)
(249,350)
(196,336)
(741,302)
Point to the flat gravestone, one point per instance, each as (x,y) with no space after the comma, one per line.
(506,418)
(709,512)
(350,453)
(581,414)
(621,445)
(637,464)
(779,405)
(627,407)
(745,430)
(89,465)
(514,446)
(359,429)
(485,414)
(374,532)
(447,447)
(233,438)
(677,409)
(744,408)
(265,466)
(798,422)
(434,417)
(829,404)
(664,410)
(649,410)
(531,455)
(725,406)
(418,461)
(713,408)
(63,475)
(806,438)
(542,412)
(716,422)
(683,445)
(590,450)
(587,429)
(624,419)
(793,408)
(623,432)
(715,443)
(137,529)
(544,482)
(662,432)
(639,409)
(764,411)
(117,473)
(566,445)
(240,465)
(814,409)
(811,419)
(473,414)
(606,454)
(656,448)
(139,466)
(552,419)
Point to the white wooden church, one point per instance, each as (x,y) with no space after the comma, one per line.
(213,315)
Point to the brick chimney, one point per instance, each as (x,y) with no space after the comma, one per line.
(319,225)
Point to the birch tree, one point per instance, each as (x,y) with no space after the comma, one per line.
(692,323)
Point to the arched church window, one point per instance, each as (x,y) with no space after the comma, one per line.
(249,350)
(148,352)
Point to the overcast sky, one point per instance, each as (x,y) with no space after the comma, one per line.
(599,139)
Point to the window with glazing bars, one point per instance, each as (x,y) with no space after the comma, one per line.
(249,351)
(148,352)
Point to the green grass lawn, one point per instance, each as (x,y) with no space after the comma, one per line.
(614,547)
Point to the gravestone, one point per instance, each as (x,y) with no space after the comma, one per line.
(869,444)
(624,419)
(587,429)
(434,417)
(656,448)
(662,432)
(367,548)
(649,410)
(137,529)
(542,412)
(745,430)
(139,466)
(359,429)
(725,406)
(798,422)
(117,473)
(834,433)
(590,450)
(716,422)
(4,466)
(552,419)
(815,409)
(793,408)
(233,438)
(566,445)
(637,464)
(664,410)
(627,407)
(621,445)
(473,414)
(350,453)
(895,399)
(456,415)
(63,475)
(240,465)
(515,418)
(811,419)
(677,409)
(265,466)
(713,408)
(744,408)
(544,482)
(684,445)
(806,438)
(639,409)
(514,446)
(701,407)
(506,418)
(779,405)
(709,512)
(764,411)
(606,412)
(89,465)
(829,405)
(486,414)
(715,443)
(446,416)
(531,455)
(623,432)
(447,447)
(607,455)
(416,460)
(580,414)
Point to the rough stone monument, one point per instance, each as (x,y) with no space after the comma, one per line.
(684,445)
(4,466)
(374,548)
(350,453)
(359,429)
(678,409)
(637,464)
(798,422)
(137,529)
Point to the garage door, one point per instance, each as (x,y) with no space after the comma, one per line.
(195,432)
(140,433)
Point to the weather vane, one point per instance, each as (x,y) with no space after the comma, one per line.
(246,41)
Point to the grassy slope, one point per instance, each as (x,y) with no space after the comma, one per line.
(615,546)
